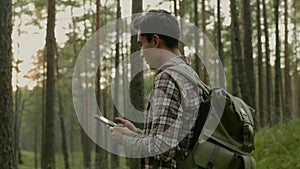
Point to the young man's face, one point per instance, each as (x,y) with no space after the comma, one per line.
(149,51)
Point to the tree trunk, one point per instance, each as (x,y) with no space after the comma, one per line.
(220,44)
(35,144)
(85,140)
(86,149)
(181,14)
(101,155)
(48,146)
(114,158)
(19,123)
(277,115)
(72,130)
(296,71)
(124,68)
(297,91)
(268,80)
(64,144)
(7,152)
(17,119)
(175,7)
(197,59)
(16,116)
(234,72)
(237,64)
(287,106)
(260,66)
(43,104)
(249,82)
(137,83)
(127,72)
(205,75)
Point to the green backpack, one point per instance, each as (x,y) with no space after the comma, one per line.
(228,145)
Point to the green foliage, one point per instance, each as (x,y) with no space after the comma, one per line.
(278,147)
(75,163)
(41,3)
(28,158)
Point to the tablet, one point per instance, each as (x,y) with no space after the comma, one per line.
(105,120)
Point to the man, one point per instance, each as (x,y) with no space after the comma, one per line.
(173,103)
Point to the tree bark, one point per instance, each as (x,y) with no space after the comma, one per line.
(137,83)
(234,72)
(85,140)
(101,154)
(297,91)
(114,158)
(7,152)
(19,123)
(237,64)
(197,59)
(86,149)
(17,119)
(287,107)
(205,75)
(296,71)
(249,82)
(181,15)
(277,115)
(260,66)
(73,28)
(35,145)
(220,44)
(48,146)
(101,159)
(64,144)
(175,7)
(268,81)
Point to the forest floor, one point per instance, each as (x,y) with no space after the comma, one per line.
(76,163)
(277,147)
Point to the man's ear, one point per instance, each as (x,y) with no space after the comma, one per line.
(156,41)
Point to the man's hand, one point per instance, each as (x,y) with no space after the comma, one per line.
(118,133)
(125,123)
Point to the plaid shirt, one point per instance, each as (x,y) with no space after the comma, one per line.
(172,110)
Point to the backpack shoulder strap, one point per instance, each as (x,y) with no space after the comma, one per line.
(190,77)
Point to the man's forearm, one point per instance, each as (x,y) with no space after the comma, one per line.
(136,144)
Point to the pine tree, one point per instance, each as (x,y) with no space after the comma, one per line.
(277,114)
(236,52)
(260,65)
(48,145)
(137,82)
(114,158)
(197,59)
(249,82)
(205,75)
(219,28)
(287,79)
(101,155)
(7,152)
(268,80)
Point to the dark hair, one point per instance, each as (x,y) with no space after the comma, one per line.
(158,22)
